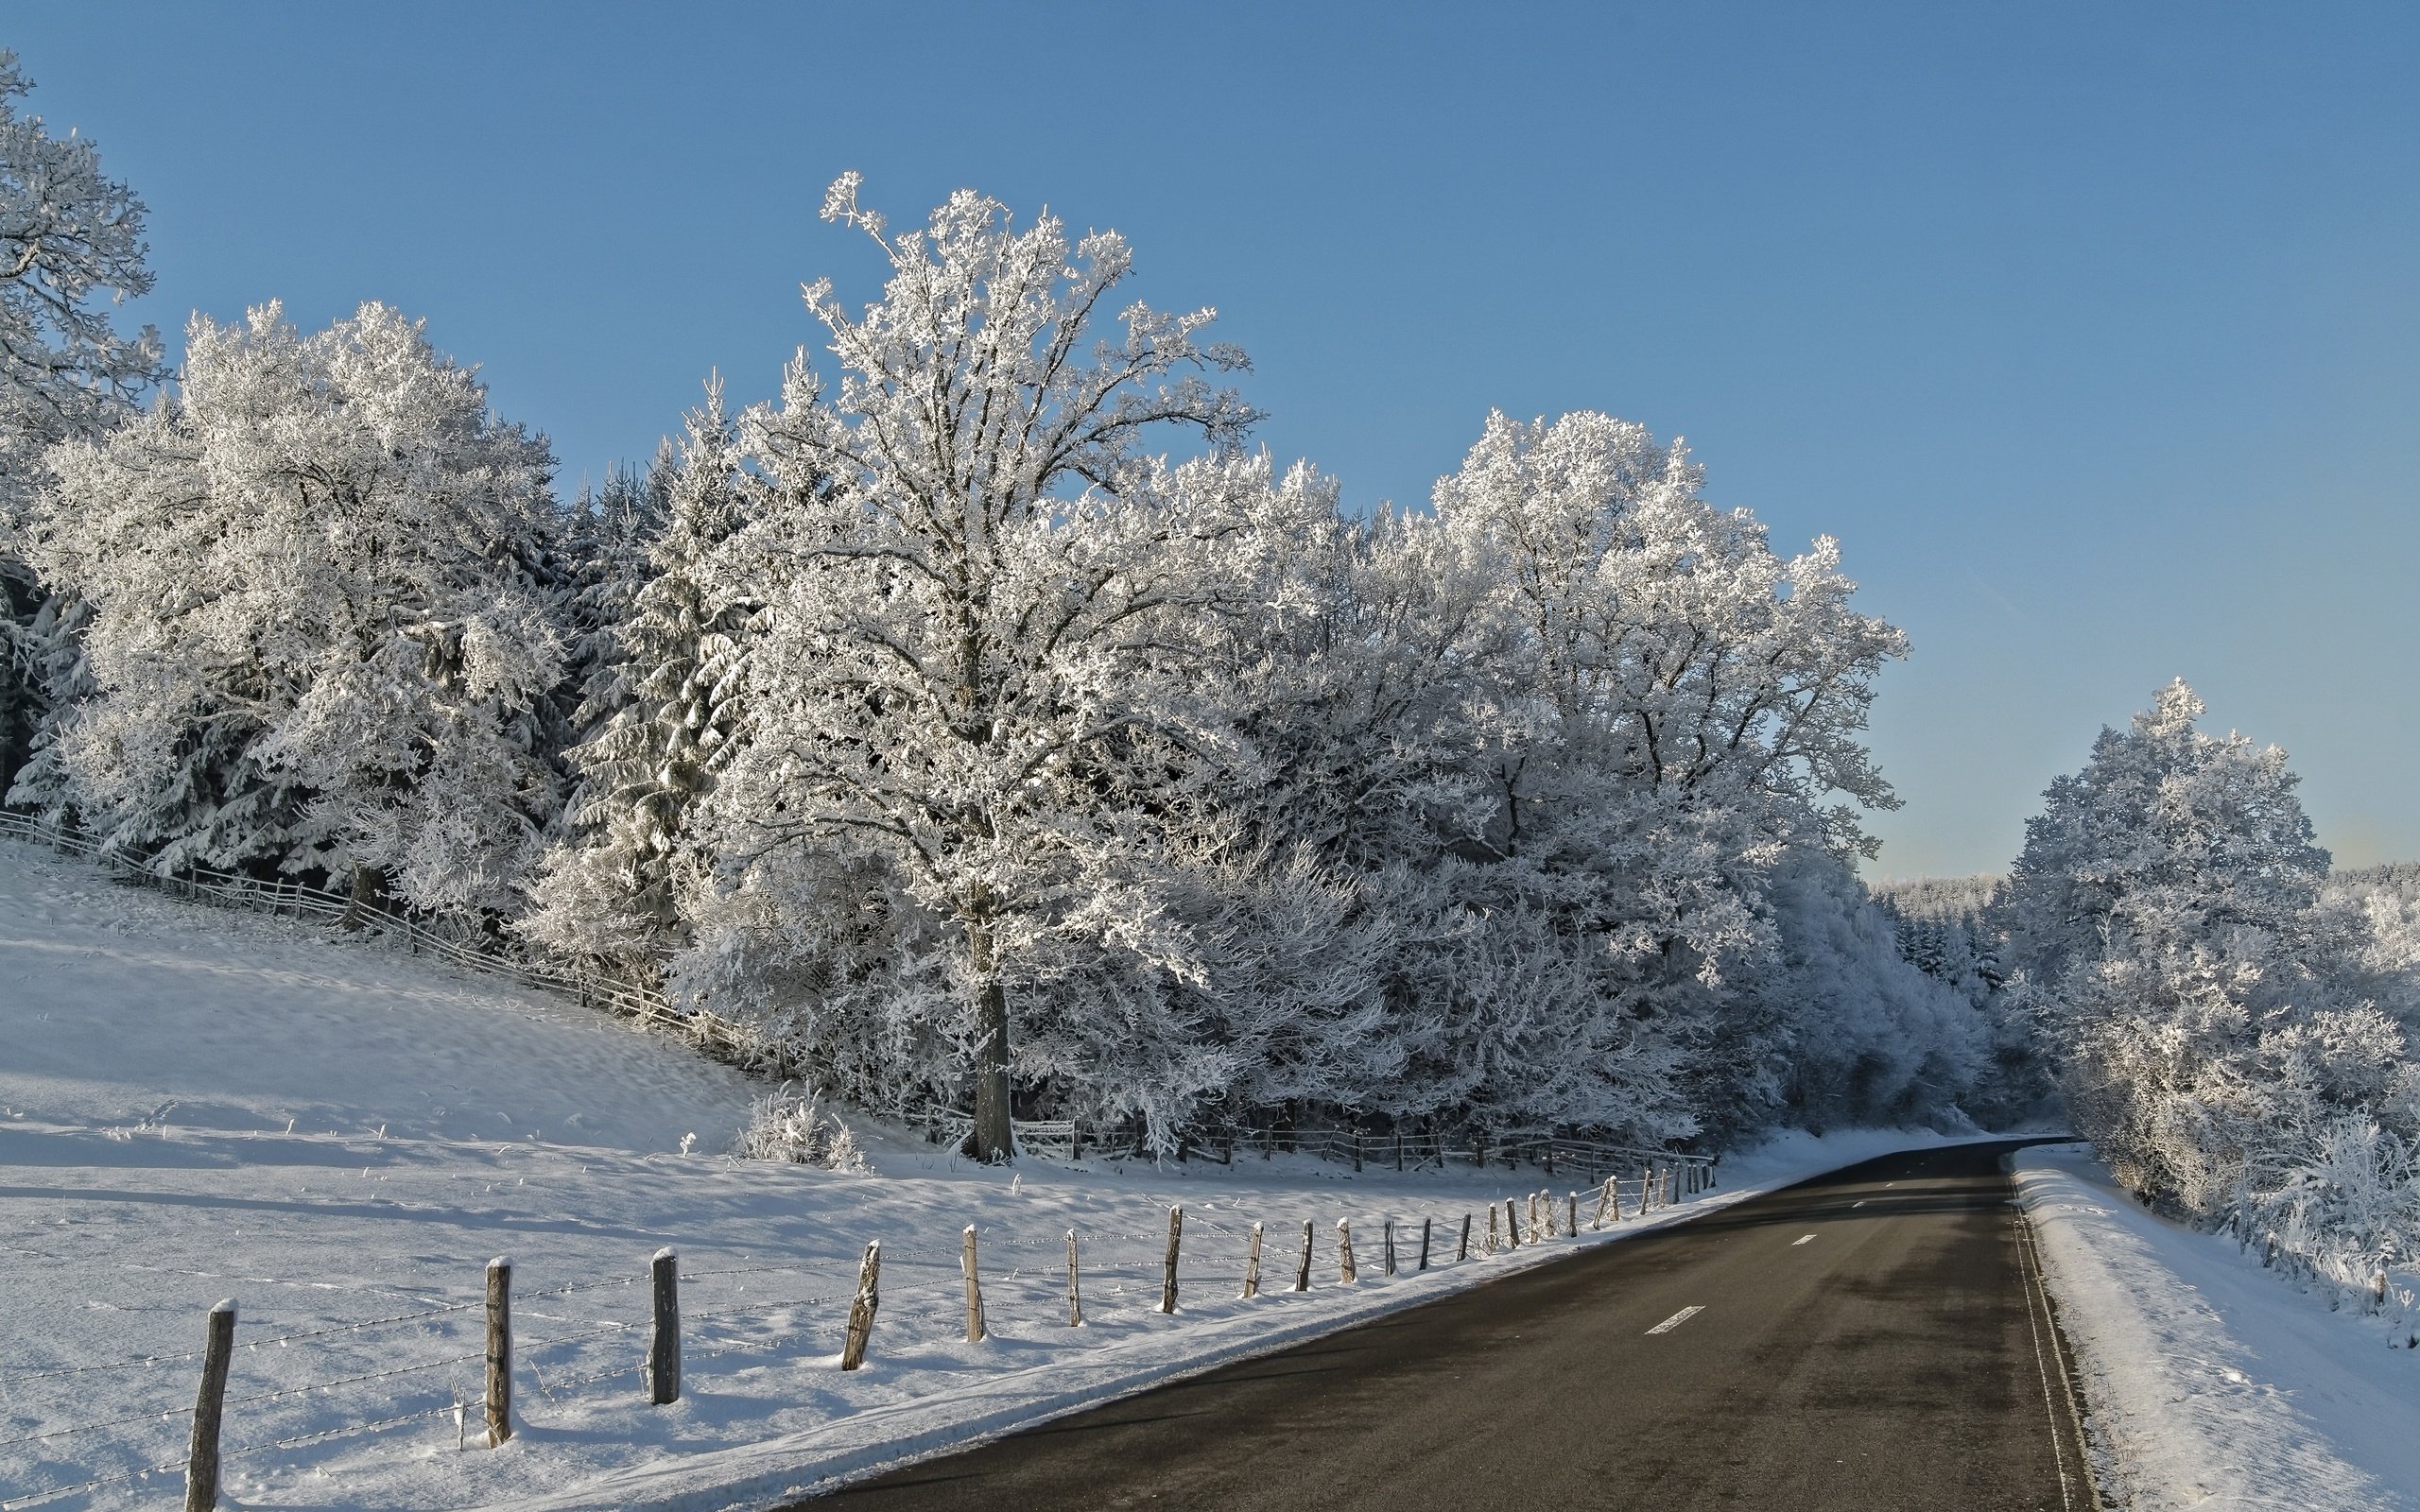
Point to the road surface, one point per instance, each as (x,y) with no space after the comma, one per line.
(1872,1339)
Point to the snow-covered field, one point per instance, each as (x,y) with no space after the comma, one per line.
(198,1103)
(2213,1383)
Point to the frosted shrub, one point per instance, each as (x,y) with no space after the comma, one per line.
(788,1124)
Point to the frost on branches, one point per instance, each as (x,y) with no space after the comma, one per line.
(71,245)
(321,631)
(2235,1044)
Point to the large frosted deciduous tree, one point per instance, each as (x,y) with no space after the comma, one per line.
(2225,1037)
(969,567)
(70,247)
(321,616)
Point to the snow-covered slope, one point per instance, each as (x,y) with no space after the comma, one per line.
(198,1103)
(2213,1383)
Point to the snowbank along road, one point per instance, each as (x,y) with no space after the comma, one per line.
(1872,1339)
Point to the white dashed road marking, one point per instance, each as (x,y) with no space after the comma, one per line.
(1676,1320)
(1795,1242)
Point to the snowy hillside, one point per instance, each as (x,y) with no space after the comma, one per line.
(199,1104)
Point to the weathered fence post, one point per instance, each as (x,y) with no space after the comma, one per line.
(2377,1292)
(664,1338)
(1571,1215)
(1390,1260)
(1491,1227)
(861,1311)
(1357,1150)
(974,1288)
(1167,1279)
(1512,1224)
(1344,1252)
(1251,1265)
(1604,1199)
(1075,1298)
(1646,1185)
(499,1398)
(1464,1252)
(201,1460)
(1550,1156)
(1399,1149)
(1424,1242)
(1534,1218)
(1303,1275)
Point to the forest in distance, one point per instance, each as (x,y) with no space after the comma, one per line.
(987,723)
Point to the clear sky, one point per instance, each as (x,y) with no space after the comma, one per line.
(2092,331)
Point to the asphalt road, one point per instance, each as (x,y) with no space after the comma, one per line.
(1872,1339)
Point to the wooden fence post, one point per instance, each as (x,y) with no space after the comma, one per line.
(664,1339)
(201,1460)
(1571,1215)
(1424,1242)
(974,1289)
(1251,1265)
(1303,1275)
(1491,1227)
(1604,1198)
(1075,1297)
(861,1311)
(1464,1252)
(2377,1292)
(1646,1184)
(1167,1279)
(1357,1150)
(1344,1252)
(1550,1156)
(1398,1148)
(499,1398)
(1512,1224)
(1390,1260)
(1534,1218)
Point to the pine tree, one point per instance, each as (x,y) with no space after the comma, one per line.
(663,713)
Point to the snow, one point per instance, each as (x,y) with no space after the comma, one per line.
(199,1104)
(2212,1382)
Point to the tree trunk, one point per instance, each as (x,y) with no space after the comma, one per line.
(369,896)
(993,1139)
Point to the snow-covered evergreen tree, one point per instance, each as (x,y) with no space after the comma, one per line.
(320,577)
(662,709)
(71,245)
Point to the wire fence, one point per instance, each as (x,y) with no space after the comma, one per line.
(572,1341)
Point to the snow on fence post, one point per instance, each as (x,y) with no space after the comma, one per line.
(1424,1242)
(1390,1247)
(861,1311)
(201,1460)
(499,1394)
(1344,1251)
(1167,1277)
(1251,1265)
(974,1289)
(1534,1218)
(664,1341)
(1303,1273)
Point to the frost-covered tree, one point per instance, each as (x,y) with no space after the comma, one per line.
(661,711)
(968,563)
(70,247)
(2220,1029)
(321,580)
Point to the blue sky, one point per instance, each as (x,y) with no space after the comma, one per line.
(2092,331)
